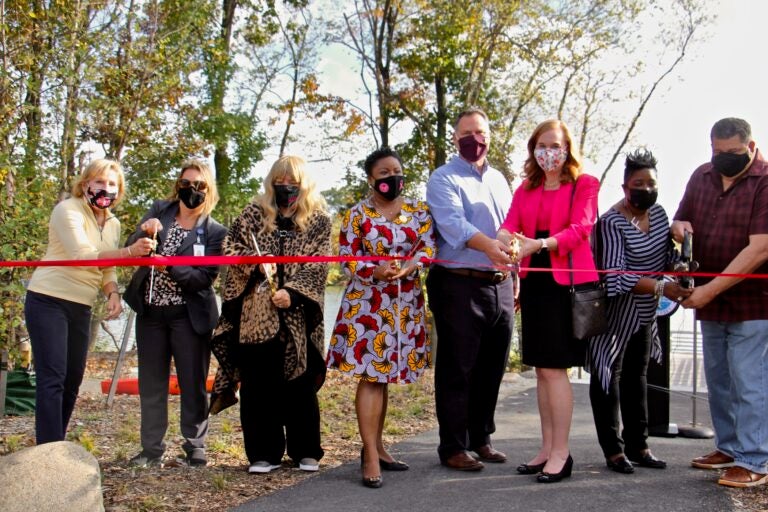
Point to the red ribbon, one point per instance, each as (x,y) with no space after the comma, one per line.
(169,261)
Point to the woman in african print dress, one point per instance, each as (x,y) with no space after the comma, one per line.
(380,334)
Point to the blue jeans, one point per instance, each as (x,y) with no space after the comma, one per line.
(736,368)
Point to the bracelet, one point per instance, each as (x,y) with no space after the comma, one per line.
(110,294)
(658,290)
(129,251)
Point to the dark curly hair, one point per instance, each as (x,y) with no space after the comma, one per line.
(636,160)
(377,155)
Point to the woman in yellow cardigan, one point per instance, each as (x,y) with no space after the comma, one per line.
(59,299)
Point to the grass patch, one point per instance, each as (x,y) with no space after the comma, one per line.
(85,439)
(13,443)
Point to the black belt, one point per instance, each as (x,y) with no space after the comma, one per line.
(494,277)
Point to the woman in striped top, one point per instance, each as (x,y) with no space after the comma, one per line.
(635,235)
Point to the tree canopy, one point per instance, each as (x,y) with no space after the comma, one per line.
(152,82)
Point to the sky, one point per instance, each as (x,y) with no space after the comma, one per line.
(724,75)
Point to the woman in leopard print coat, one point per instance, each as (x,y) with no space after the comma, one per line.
(270,334)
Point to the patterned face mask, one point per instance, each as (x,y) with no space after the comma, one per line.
(101,199)
(550,159)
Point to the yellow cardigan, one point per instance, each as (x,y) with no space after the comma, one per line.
(74,234)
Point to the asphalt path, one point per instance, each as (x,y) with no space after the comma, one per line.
(428,486)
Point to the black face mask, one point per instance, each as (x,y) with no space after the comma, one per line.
(390,187)
(191,198)
(286,195)
(730,164)
(642,199)
(101,198)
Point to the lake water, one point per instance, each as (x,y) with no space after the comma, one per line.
(104,342)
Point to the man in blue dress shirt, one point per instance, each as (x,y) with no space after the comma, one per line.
(471,295)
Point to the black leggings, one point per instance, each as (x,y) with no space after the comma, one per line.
(628,393)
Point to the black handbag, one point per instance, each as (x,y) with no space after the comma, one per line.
(588,301)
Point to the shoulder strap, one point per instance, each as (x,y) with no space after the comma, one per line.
(597,252)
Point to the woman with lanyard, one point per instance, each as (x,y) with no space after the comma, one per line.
(176,313)
(59,299)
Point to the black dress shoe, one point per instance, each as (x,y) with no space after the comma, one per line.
(395,465)
(530,469)
(550,478)
(373,482)
(620,465)
(647,461)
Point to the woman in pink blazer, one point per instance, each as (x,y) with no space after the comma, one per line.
(551,221)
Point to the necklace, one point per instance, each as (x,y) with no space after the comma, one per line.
(388,212)
(552,186)
(635,221)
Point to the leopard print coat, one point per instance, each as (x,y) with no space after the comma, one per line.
(248,315)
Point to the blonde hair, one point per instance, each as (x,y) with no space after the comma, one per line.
(572,168)
(308,202)
(96,169)
(211,191)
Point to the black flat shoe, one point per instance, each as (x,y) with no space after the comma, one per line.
(395,465)
(620,465)
(550,478)
(372,482)
(648,461)
(531,469)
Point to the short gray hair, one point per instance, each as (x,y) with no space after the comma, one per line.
(730,127)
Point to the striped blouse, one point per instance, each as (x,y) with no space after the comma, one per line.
(626,248)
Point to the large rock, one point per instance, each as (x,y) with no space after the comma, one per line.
(52,477)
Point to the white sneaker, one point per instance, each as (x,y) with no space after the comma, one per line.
(309,464)
(262,466)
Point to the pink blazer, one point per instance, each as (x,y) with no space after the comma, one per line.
(571,226)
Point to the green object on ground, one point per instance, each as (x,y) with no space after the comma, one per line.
(20,393)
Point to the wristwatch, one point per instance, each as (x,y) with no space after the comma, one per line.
(543,245)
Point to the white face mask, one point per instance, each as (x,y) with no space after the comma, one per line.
(550,159)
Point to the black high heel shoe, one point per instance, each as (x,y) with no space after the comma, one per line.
(372,482)
(550,478)
(530,469)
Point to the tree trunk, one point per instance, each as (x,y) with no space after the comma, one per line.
(441,111)
(219,79)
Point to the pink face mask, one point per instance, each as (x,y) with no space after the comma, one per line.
(550,159)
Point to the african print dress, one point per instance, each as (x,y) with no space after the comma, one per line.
(380,333)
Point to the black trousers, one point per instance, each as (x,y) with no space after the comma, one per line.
(59,331)
(163,332)
(474,320)
(275,412)
(628,393)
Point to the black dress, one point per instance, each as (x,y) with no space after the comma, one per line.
(545,307)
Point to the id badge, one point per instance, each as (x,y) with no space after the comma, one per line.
(199,249)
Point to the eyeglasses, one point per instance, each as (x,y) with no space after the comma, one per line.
(197,185)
